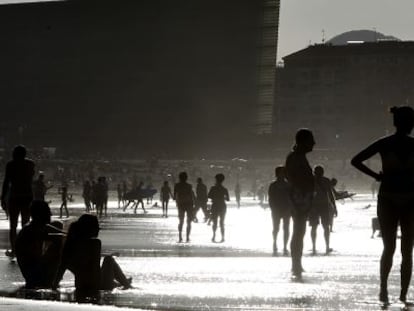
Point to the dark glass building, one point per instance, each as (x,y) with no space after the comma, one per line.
(137,77)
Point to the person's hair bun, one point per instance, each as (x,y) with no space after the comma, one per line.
(393,109)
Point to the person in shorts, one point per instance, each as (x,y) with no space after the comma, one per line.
(323,207)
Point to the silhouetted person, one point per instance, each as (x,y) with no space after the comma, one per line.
(201,200)
(254,189)
(86,194)
(119,194)
(166,195)
(38,247)
(218,195)
(40,188)
(94,191)
(301,181)
(101,195)
(139,197)
(261,195)
(124,192)
(337,195)
(64,197)
(17,192)
(280,205)
(395,196)
(105,194)
(82,256)
(184,197)
(237,193)
(148,190)
(323,207)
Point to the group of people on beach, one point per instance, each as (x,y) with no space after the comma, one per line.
(95,195)
(44,251)
(395,195)
(188,204)
(322,210)
(298,192)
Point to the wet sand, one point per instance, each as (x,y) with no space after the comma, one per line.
(240,274)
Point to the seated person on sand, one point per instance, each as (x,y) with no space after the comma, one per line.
(82,256)
(38,247)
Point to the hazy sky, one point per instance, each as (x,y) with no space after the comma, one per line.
(302,21)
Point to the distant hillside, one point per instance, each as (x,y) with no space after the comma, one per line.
(360,35)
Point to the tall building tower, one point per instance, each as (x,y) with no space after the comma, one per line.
(267,66)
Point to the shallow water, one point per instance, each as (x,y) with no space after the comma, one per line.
(240,273)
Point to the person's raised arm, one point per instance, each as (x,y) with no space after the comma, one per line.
(358,160)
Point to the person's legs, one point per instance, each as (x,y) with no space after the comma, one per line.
(190,217)
(111,274)
(142,205)
(61,210)
(205,211)
(126,206)
(99,208)
(214,219)
(14,212)
(276,223)
(296,244)
(407,236)
(25,212)
(326,225)
(66,210)
(286,233)
(314,229)
(388,221)
(222,220)
(313,223)
(166,209)
(181,214)
(195,211)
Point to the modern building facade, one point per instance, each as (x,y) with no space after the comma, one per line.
(179,77)
(267,66)
(343,92)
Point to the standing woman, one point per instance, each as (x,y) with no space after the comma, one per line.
(396,195)
(301,181)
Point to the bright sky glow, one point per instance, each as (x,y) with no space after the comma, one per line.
(302,22)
